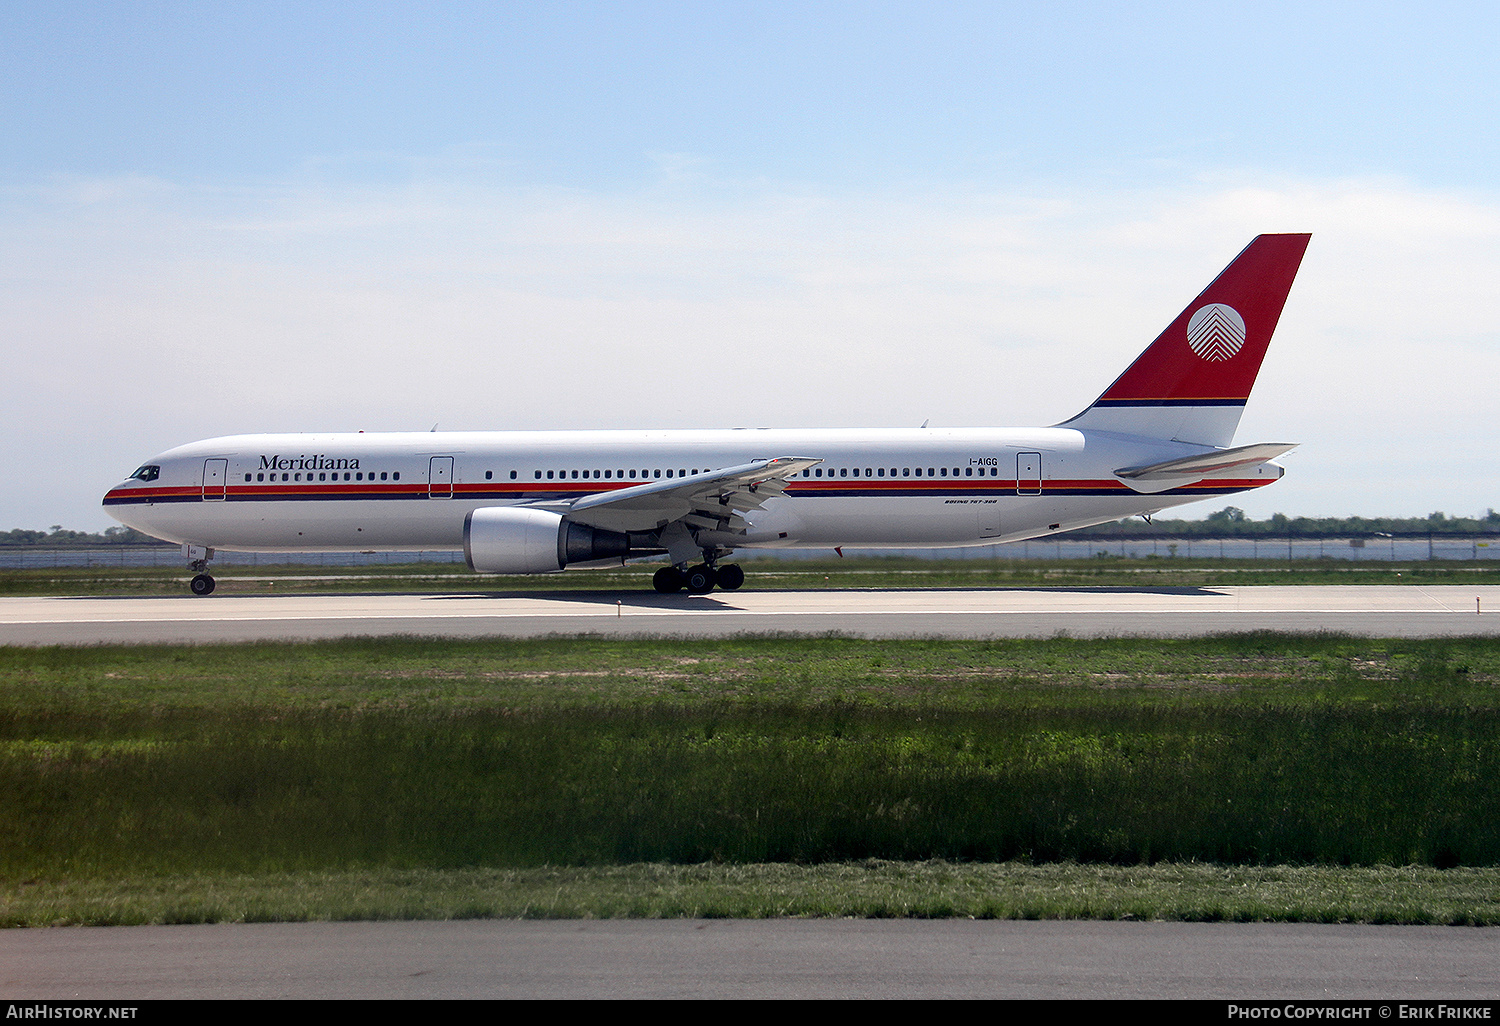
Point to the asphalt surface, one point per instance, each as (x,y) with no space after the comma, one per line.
(1373,610)
(755,959)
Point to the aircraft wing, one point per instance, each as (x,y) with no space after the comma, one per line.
(712,500)
(1158,477)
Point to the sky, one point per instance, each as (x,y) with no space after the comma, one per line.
(228,217)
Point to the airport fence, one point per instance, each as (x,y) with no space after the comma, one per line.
(1389,549)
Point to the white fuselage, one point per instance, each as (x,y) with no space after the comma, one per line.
(893,488)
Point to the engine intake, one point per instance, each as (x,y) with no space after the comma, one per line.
(520,540)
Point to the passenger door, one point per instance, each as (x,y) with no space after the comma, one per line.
(440,477)
(215,480)
(1028,473)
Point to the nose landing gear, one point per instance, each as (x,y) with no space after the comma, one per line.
(202,582)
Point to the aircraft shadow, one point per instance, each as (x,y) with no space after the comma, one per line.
(652,600)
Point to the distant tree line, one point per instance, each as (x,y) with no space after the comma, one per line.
(58,538)
(1231,522)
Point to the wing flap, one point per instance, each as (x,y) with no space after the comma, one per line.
(712,500)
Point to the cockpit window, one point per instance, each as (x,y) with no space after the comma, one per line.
(150,472)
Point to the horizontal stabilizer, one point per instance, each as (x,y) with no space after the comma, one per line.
(1158,477)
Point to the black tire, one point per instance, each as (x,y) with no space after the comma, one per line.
(731,576)
(668,580)
(202,585)
(700,579)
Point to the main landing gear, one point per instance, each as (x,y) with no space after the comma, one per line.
(698,580)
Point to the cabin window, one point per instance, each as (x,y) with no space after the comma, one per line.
(538,475)
(906,472)
(489,475)
(843,472)
(247,477)
(512,476)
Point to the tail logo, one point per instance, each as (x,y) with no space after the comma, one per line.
(1216,332)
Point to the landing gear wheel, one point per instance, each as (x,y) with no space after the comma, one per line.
(730,576)
(202,584)
(700,579)
(669,580)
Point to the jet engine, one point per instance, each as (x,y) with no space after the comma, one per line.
(520,540)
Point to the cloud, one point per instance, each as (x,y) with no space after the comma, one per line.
(142,313)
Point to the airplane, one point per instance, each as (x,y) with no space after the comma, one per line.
(529,502)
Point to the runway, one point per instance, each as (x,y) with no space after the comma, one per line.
(785,958)
(1373,610)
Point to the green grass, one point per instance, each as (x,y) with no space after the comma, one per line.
(411,754)
(873,889)
(1259,670)
(333,790)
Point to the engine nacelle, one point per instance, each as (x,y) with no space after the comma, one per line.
(521,540)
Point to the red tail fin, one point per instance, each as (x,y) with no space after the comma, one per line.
(1192,382)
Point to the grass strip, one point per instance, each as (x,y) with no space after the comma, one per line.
(1189,892)
(92,687)
(1122,785)
(188,783)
